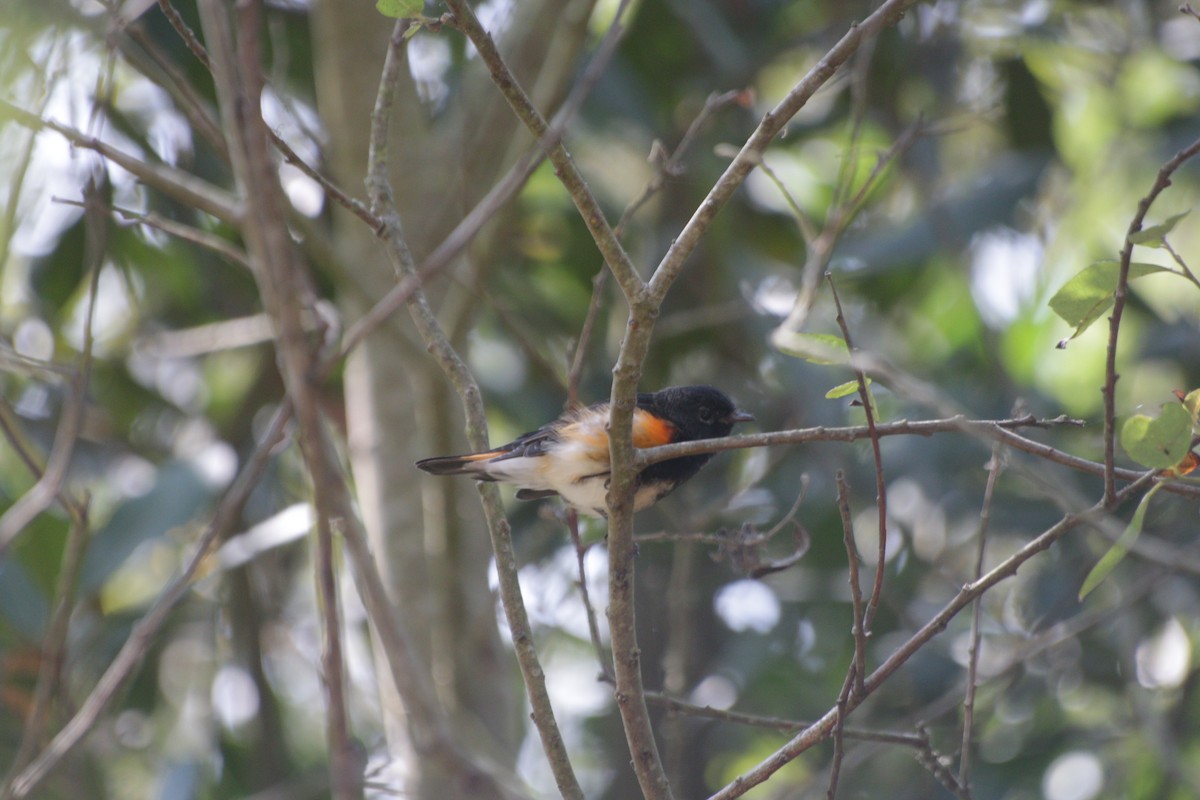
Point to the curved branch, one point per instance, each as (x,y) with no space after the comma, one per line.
(822,728)
(392,235)
(1161,182)
(175,183)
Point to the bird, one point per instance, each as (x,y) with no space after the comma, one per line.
(569,457)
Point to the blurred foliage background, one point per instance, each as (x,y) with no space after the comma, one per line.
(1033,129)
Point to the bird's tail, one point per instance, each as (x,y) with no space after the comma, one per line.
(468,464)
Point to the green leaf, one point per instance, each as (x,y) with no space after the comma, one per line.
(1155,235)
(1084,299)
(1108,562)
(1192,403)
(1158,442)
(843,389)
(400,9)
(815,348)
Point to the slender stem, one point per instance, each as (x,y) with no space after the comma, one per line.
(665,167)
(770,127)
(1161,181)
(187,233)
(144,632)
(864,396)
(585,596)
(589,209)
(841,708)
(985,514)
(822,728)
(49,485)
(858,629)
(352,204)
(175,183)
(235,61)
(998,430)
(392,235)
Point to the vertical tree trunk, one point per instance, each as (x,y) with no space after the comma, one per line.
(433,554)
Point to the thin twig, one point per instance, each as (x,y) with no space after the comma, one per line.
(50,483)
(236,64)
(172,79)
(774,723)
(664,167)
(175,183)
(1178,259)
(457,372)
(822,728)
(742,547)
(589,209)
(146,630)
(928,758)
(353,205)
(985,515)
(471,224)
(54,645)
(22,158)
(868,405)
(857,629)
(187,233)
(585,596)
(771,126)
(852,684)
(999,430)
(22,444)
(841,708)
(1161,181)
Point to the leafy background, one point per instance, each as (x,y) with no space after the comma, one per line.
(1038,125)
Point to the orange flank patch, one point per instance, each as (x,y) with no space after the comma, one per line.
(589,434)
(651,431)
(1187,466)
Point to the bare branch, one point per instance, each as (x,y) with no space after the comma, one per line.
(392,235)
(858,630)
(868,406)
(144,632)
(235,62)
(50,483)
(54,645)
(822,728)
(985,514)
(1161,182)
(664,167)
(771,126)
(471,224)
(175,183)
(585,596)
(334,191)
(187,233)
(614,254)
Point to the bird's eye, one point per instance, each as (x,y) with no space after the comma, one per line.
(706,415)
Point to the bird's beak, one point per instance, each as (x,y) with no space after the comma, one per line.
(741,416)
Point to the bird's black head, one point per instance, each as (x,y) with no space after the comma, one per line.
(697,412)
